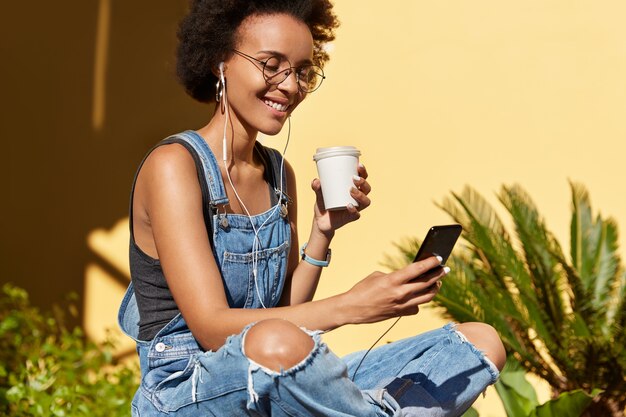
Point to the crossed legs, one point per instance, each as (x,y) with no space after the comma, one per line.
(279,344)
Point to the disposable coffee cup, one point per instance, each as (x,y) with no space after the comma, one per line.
(336,167)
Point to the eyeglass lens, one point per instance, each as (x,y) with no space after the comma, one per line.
(276,71)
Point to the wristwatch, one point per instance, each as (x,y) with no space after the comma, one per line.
(313,261)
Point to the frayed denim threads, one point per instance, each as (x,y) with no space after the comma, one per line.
(493,369)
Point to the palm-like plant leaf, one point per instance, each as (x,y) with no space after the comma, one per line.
(616,311)
(594,255)
(503,272)
(561,318)
(540,247)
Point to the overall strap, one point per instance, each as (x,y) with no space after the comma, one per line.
(275,159)
(209,163)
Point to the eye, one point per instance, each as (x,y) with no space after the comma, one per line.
(307,75)
(304,72)
(272,65)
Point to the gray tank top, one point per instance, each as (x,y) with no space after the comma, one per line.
(154,300)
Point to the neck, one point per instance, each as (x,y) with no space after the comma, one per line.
(239,139)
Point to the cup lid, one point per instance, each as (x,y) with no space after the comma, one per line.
(322,153)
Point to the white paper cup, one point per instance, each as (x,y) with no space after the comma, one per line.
(336,167)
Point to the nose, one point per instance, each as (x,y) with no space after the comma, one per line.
(290,83)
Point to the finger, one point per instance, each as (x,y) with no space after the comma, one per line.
(423,297)
(418,286)
(361,184)
(426,296)
(361,198)
(424,290)
(436,272)
(409,310)
(353,213)
(316,186)
(415,269)
(362,171)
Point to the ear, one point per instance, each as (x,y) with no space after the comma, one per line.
(216,69)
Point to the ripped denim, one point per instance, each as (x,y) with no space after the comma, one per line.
(183,380)
(435,374)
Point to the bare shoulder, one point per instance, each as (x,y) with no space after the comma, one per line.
(170,159)
(169,172)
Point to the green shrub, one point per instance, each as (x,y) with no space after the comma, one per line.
(47,369)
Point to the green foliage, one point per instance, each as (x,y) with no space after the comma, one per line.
(562,318)
(518,396)
(520,399)
(47,369)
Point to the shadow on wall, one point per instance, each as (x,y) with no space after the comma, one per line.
(87,89)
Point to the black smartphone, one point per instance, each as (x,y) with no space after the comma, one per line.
(439,241)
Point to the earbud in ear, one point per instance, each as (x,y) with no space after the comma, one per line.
(221,67)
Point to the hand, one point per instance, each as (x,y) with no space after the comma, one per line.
(327,221)
(400,293)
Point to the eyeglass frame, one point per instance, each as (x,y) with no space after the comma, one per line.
(290,68)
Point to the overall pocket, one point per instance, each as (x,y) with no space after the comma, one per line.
(242,290)
(207,382)
(171,360)
(175,391)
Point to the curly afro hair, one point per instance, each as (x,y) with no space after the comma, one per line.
(208,33)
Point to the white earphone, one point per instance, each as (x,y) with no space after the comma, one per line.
(256,245)
(225,98)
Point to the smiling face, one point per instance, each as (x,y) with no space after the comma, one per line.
(254,104)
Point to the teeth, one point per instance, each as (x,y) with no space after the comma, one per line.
(277,106)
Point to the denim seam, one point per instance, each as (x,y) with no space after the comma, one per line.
(426,365)
(283,406)
(200,397)
(173,347)
(262,254)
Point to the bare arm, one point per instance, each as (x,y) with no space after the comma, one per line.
(302,277)
(173,202)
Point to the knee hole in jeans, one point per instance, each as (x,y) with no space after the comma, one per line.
(486,339)
(277,344)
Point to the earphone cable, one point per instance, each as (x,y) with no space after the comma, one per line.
(256,244)
(371,347)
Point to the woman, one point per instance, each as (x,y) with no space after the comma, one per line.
(221,291)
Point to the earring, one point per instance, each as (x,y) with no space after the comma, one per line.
(220,86)
(219,90)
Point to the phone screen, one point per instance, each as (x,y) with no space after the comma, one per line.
(439,241)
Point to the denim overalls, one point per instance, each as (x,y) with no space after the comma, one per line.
(434,374)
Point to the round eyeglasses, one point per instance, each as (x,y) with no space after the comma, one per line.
(276,70)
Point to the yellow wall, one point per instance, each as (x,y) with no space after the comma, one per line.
(436,94)
(442,94)
(439,94)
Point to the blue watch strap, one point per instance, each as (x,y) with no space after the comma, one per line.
(313,261)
